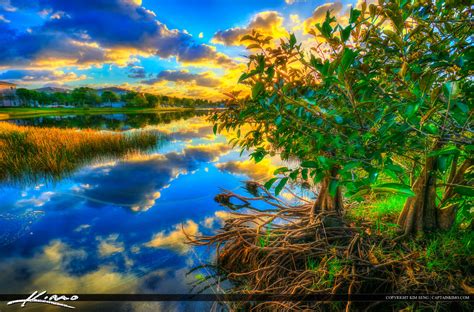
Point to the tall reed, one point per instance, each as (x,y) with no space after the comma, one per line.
(51,152)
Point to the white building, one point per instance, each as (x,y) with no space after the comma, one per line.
(8,94)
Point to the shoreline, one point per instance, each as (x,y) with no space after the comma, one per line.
(25,112)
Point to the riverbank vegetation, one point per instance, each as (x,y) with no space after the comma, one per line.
(25,112)
(377,114)
(87,97)
(33,152)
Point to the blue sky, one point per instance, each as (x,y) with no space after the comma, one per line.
(168,47)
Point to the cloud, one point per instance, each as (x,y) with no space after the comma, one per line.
(290,1)
(136,72)
(99,31)
(24,75)
(257,172)
(110,245)
(39,201)
(6,5)
(319,14)
(218,219)
(268,23)
(136,182)
(50,269)
(175,239)
(183,76)
(4,19)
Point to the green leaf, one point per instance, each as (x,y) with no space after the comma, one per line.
(396,188)
(281,170)
(465,190)
(394,168)
(463,107)
(450,150)
(243,77)
(270,73)
(442,163)
(294,174)
(450,89)
(431,128)
(373,175)
(292,40)
(345,33)
(309,164)
(278,120)
(258,155)
(280,186)
(214,129)
(304,174)
(347,58)
(323,161)
(269,183)
(354,15)
(351,165)
(339,120)
(257,89)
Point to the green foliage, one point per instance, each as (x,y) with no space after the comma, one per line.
(109,96)
(371,100)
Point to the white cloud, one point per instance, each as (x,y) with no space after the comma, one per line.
(176,239)
(4,19)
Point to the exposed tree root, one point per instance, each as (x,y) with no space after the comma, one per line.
(279,251)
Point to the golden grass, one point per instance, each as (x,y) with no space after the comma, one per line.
(52,152)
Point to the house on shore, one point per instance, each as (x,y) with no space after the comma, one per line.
(8,94)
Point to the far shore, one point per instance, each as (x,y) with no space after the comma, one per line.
(24,112)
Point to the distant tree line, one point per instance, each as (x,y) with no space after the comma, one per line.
(84,97)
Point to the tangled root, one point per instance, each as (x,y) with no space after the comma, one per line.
(279,251)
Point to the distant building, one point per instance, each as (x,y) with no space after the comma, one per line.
(117,90)
(8,94)
(7,87)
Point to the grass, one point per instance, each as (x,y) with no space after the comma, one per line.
(40,152)
(22,112)
(381,212)
(444,255)
(449,251)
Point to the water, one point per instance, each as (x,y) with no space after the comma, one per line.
(115,226)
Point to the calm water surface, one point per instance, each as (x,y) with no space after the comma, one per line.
(115,226)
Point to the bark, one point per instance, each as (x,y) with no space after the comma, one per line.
(420,213)
(447,213)
(324,201)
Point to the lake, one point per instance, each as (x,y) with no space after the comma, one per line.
(115,225)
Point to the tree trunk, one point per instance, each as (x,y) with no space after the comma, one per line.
(447,213)
(419,213)
(326,202)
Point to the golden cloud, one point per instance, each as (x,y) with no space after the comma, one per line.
(269,23)
(46,272)
(257,172)
(176,239)
(110,245)
(319,14)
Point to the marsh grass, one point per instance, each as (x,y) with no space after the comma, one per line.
(31,152)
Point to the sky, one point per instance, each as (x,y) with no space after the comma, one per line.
(185,48)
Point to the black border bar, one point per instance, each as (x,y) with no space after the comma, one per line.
(257,297)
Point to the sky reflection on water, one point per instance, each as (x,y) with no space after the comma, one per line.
(115,226)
